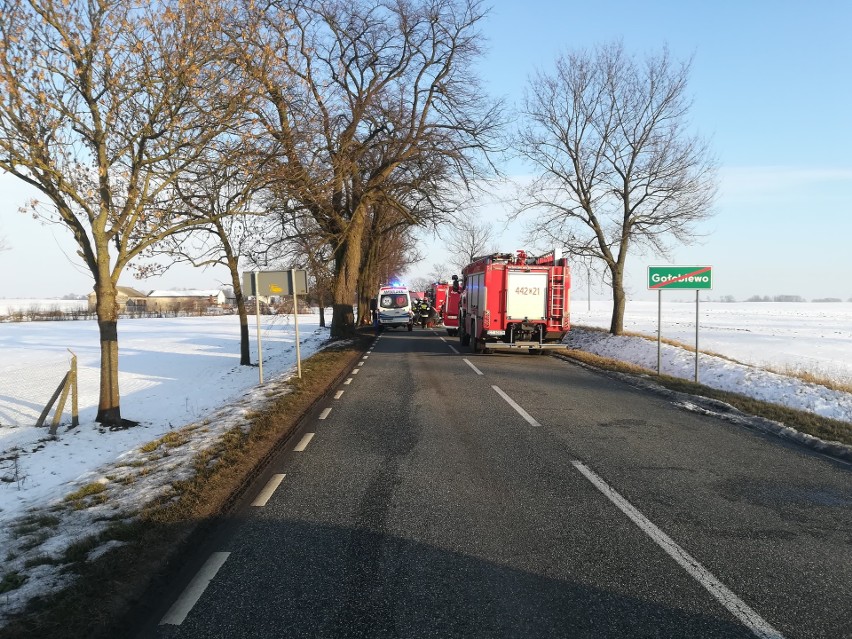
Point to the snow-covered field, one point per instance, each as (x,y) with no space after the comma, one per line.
(806,337)
(184,372)
(11,306)
(173,372)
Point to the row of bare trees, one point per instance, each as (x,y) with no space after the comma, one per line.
(317,134)
(319,130)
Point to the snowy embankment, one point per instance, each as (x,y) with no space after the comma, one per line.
(179,377)
(795,337)
(719,373)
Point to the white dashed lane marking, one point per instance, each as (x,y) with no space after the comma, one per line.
(302,445)
(469,363)
(190,596)
(267,492)
(529,418)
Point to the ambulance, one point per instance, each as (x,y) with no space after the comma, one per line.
(393,307)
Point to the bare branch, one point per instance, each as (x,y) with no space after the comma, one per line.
(616,164)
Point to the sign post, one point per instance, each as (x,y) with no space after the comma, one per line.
(695,278)
(254,290)
(293,282)
(295,288)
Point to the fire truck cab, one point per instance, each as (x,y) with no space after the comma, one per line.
(512,302)
(450,308)
(437,297)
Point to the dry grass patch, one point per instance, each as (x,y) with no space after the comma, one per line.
(812,378)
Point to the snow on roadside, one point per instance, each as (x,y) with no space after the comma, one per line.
(717,372)
(182,379)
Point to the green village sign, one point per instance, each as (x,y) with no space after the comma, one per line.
(680,277)
(691,278)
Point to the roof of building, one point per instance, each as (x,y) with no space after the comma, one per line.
(125,290)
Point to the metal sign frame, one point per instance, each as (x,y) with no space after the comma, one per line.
(293,282)
(697,278)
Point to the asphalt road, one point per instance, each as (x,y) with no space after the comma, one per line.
(443,494)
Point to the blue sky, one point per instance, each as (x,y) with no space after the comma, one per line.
(771,84)
(772,88)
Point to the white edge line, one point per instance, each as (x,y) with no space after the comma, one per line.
(192,593)
(443,340)
(348,381)
(511,402)
(453,348)
(325,413)
(302,445)
(355,371)
(271,486)
(338,394)
(722,593)
(469,363)
(360,363)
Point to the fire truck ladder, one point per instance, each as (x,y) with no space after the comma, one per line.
(557,294)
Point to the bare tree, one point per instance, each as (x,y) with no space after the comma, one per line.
(220,191)
(360,96)
(616,163)
(291,238)
(467,239)
(389,245)
(102,104)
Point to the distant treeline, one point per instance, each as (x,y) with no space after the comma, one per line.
(781,298)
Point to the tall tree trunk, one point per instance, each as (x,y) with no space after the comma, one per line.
(109,411)
(619,300)
(347,262)
(232,262)
(245,351)
(368,283)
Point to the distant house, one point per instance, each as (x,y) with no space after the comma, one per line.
(190,300)
(129,300)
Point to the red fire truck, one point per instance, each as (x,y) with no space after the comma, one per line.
(437,297)
(450,309)
(513,302)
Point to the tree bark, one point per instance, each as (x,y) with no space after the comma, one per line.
(347,262)
(109,411)
(619,300)
(368,282)
(245,352)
